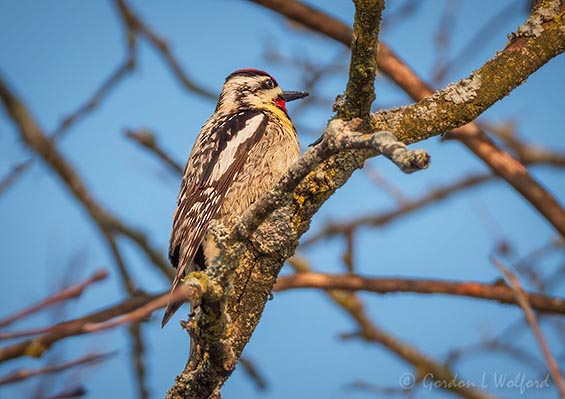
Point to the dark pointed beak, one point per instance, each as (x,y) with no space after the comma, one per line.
(293,95)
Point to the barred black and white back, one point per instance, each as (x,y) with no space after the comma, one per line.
(241,151)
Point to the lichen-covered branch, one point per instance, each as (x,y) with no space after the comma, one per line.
(390,64)
(360,91)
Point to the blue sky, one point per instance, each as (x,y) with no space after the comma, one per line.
(55,54)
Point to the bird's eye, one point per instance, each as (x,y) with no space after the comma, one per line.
(269,84)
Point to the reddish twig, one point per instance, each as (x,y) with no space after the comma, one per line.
(71,292)
(36,346)
(525,303)
(23,374)
(496,292)
(369,331)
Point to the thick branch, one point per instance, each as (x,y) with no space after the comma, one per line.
(496,292)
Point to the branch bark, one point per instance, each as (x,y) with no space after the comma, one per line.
(360,91)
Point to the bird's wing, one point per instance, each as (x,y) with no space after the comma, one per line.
(214,163)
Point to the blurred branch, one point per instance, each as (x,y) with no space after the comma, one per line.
(475,139)
(383,218)
(22,374)
(497,292)
(36,346)
(379,180)
(424,365)
(484,34)
(78,392)
(528,153)
(147,140)
(138,359)
(253,373)
(137,26)
(68,293)
(524,301)
(68,121)
(109,225)
(516,352)
(447,23)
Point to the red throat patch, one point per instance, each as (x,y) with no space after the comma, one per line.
(281,103)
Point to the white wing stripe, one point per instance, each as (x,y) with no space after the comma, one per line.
(227,156)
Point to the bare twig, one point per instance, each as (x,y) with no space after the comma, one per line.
(108,224)
(71,292)
(523,300)
(136,25)
(496,292)
(72,118)
(36,346)
(138,359)
(147,140)
(23,374)
(383,218)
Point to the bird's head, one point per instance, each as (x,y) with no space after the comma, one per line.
(254,89)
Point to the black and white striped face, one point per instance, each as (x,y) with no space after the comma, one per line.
(254,89)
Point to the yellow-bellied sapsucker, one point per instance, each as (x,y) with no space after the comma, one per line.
(240,153)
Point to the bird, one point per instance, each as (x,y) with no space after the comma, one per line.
(242,150)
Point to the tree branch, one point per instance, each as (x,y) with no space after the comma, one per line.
(360,91)
(36,346)
(23,374)
(37,141)
(369,331)
(71,292)
(474,138)
(524,300)
(136,25)
(252,254)
(496,292)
